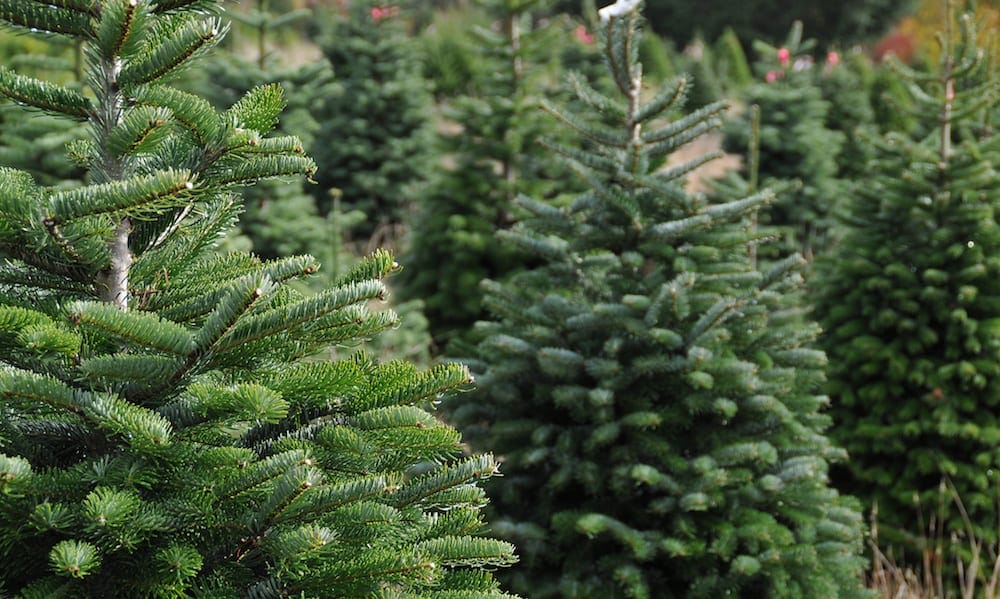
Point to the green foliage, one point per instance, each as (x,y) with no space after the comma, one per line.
(279,217)
(909,301)
(376,144)
(655,397)
(846,84)
(893,104)
(706,86)
(731,60)
(658,56)
(168,427)
(846,22)
(495,156)
(39,144)
(795,143)
(450,60)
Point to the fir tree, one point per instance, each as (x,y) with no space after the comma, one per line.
(163,430)
(496,157)
(655,397)
(910,302)
(375,142)
(795,144)
(731,61)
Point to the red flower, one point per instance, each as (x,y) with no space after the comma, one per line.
(832,59)
(784,56)
(583,35)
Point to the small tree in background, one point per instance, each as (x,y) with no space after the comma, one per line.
(165,428)
(706,86)
(910,301)
(375,142)
(653,395)
(731,61)
(795,144)
(496,156)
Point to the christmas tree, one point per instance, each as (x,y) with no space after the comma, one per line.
(654,396)
(496,157)
(795,144)
(910,302)
(165,427)
(374,119)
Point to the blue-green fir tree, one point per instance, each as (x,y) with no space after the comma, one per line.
(375,144)
(496,156)
(655,398)
(795,144)
(910,305)
(166,429)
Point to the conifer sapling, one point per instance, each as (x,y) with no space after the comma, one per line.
(654,396)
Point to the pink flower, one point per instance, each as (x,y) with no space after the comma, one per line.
(784,56)
(380,13)
(771,76)
(583,35)
(833,59)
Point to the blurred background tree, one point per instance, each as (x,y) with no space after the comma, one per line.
(847,21)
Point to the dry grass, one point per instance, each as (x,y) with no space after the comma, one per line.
(975,576)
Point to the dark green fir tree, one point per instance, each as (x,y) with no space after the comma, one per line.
(795,145)
(375,144)
(654,396)
(165,427)
(495,157)
(910,302)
